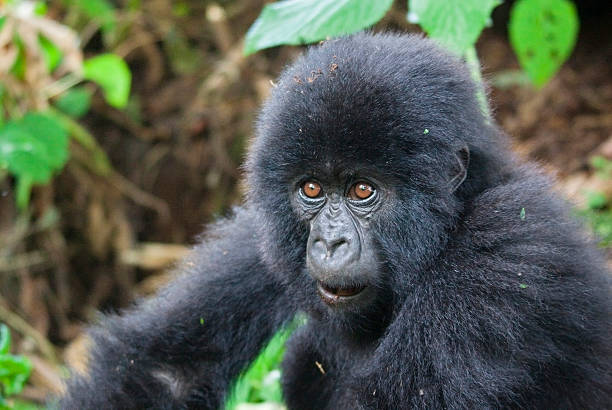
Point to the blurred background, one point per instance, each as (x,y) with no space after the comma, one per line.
(94,238)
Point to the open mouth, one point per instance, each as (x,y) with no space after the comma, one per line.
(335,294)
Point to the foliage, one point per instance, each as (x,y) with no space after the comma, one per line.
(32,148)
(14,370)
(111,73)
(543,34)
(308,21)
(454,23)
(599,205)
(101,11)
(40,64)
(74,102)
(261,381)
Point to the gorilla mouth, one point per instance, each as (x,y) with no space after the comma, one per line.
(334,294)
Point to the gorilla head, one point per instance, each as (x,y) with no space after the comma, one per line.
(366,163)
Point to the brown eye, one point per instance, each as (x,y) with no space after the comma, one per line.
(311,189)
(361,191)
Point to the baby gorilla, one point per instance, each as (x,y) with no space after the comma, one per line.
(436,270)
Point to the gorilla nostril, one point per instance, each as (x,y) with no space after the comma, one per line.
(337,247)
(325,249)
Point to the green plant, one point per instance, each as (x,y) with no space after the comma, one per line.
(542,32)
(308,21)
(261,381)
(598,211)
(14,371)
(41,66)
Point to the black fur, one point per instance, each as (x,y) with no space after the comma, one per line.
(479,306)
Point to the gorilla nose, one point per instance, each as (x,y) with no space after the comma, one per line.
(329,255)
(331,248)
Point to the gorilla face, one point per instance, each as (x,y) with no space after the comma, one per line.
(340,253)
(356,179)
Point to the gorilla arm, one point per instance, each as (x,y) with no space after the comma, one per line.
(183,348)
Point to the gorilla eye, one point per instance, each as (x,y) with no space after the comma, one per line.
(311,189)
(360,191)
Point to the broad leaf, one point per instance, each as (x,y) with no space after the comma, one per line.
(111,73)
(18,68)
(50,52)
(50,132)
(75,102)
(14,370)
(308,21)
(456,24)
(32,148)
(5,339)
(543,34)
(100,10)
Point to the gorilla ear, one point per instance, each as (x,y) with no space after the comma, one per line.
(459,171)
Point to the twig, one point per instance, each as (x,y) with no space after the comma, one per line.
(100,163)
(20,325)
(139,196)
(215,14)
(23,261)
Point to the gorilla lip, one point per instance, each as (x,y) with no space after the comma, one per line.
(334,294)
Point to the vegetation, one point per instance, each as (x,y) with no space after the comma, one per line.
(599,204)
(542,32)
(14,371)
(43,64)
(260,383)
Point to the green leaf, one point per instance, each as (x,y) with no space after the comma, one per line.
(456,24)
(260,382)
(75,102)
(5,339)
(51,133)
(50,52)
(102,11)
(32,148)
(599,162)
(19,66)
(543,34)
(40,8)
(308,21)
(602,165)
(596,200)
(111,73)
(14,372)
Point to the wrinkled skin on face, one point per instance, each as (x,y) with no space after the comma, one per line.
(341,251)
